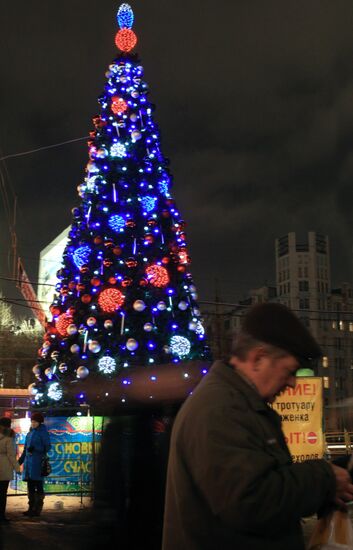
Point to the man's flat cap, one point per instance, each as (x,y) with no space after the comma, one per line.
(277,325)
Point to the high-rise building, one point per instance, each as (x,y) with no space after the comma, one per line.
(303,281)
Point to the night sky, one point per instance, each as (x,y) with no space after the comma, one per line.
(255,105)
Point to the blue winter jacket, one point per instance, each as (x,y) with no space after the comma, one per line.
(36,446)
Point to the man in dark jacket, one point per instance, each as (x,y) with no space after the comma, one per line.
(231,481)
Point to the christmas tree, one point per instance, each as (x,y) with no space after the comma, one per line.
(125,297)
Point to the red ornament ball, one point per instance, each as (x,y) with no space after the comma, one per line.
(119,106)
(127,281)
(130,223)
(62,323)
(131,262)
(112,280)
(98,240)
(125,40)
(110,300)
(117,250)
(157,275)
(107,262)
(149,238)
(95,281)
(86,298)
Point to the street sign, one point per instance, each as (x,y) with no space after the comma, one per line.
(301,410)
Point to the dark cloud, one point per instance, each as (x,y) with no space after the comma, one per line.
(255,105)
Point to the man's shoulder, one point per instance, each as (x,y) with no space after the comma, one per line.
(213,396)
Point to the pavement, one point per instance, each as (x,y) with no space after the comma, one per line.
(65,524)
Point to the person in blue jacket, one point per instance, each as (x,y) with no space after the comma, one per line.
(37,445)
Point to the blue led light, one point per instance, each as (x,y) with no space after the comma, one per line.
(148,203)
(125,16)
(81,255)
(117,223)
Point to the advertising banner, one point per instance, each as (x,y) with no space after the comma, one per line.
(74,443)
(301,409)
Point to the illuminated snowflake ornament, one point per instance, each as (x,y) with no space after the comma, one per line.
(148,203)
(118,150)
(180,346)
(117,223)
(55,392)
(81,255)
(107,364)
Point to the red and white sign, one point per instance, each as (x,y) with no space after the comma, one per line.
(29,294)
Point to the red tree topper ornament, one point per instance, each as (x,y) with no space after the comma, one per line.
(62,323)
(119,106)
(125,40)
(157,275)
(110,300)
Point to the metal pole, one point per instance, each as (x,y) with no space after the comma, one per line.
(81,474)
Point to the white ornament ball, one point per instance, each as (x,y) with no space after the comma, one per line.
(94,346)
(192,288)
(91,321)
(32,390)
(123,79)
(46,345)
(194,295)
(63,367)
(71,330)
(197,312)
(148,327)
(166,349)
(183,305)
(139,305)
(133,117)
(54,355)
(132,344)
(136,135)
(48,371)
(75,348)
(192,325)
(108,324)
(82,372)
(36,369)
(135,94)
(161,306)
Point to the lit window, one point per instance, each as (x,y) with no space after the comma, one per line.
(341,325)
(350,327)
(326,382)
(334,325)
(325,361)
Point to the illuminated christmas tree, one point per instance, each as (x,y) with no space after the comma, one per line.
(125,297)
